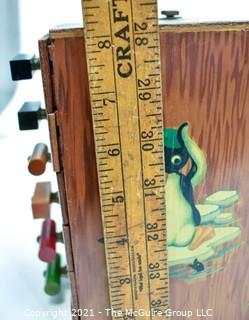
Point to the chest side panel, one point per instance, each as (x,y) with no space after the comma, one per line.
(205,83)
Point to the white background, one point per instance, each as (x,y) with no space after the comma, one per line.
(21,281)
(36,17)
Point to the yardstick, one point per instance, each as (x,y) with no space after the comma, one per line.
(123,56)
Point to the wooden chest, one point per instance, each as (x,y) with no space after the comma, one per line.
(205,76)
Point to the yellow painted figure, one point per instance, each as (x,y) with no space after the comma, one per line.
(182,215)
(197,232)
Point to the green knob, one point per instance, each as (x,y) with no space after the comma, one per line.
(53,277)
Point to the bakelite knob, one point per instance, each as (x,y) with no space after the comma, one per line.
(30,114)
(23,65)
(53,276)
(47,250)
(47,240)
(39,159)
(170,13)
(42,199)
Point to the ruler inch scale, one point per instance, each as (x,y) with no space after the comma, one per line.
(123,58)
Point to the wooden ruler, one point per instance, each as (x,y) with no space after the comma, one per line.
(123,56)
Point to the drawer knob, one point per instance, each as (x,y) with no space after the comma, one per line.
(42,199)
(39,159)
(53,276)
(170,14)
(30,114)
(23,65)
(47,250)
(48,240)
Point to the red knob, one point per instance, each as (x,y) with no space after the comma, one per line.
(47,251)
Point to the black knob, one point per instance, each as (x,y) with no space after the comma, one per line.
(170,14)
(23,65)
(30,114)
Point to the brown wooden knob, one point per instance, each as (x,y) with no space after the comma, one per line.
(41,200)
(38,159)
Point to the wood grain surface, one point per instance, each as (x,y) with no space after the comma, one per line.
(205,81)
(79,167)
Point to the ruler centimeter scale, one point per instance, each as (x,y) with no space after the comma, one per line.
(123,56)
